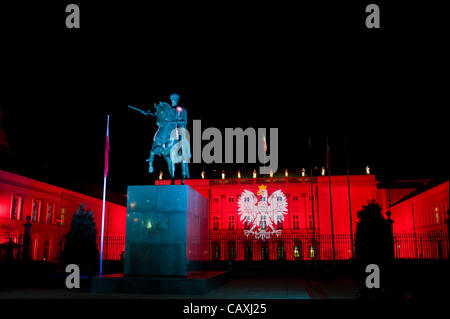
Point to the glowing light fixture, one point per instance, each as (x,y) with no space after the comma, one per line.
(203,174)
(286,173)
(271,174)
(367,170)
(223,174)
(254,173)
(323,171)
(160,174)
(239,174)
(303,172)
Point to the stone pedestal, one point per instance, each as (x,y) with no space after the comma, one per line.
(166,230)
(166,244)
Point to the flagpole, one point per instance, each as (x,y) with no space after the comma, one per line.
(265,149)
(312,199)
(104,195)
(349,197)
(331,204)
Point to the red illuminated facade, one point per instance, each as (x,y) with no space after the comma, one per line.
(51,210)
(312,228)
(423,212)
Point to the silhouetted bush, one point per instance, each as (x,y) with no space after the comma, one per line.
(81,247)
(374,243)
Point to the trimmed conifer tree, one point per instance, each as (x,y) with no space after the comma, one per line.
(81,247)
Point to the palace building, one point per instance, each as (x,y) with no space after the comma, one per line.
(300,217)
(51,209)
(311,227)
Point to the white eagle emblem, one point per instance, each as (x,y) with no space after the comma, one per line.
(262,212)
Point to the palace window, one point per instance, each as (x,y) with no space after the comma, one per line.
(215,223)
(36,210)
(312,252)
(216,200)
(295,222)
(231,199)
(247,223)
(217,252)
(436,211)
(215,249)
(232,250)
(297,251)
(279,222)
(230,222)
(310,221)
(265,252)
(295,198)
(280,252)
(50,213)
(16,207)
(47,247)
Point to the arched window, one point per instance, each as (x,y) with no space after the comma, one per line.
(312,251)
(298,250)
(216,250)
(47,250)
(16,207)
(232,250)
(310,221)
(279,222)
(216,223)
(50,213)
(295,222)
(36,210)
(281,255)
(247,223)
(230,222)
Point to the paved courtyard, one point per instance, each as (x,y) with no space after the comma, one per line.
(236,288)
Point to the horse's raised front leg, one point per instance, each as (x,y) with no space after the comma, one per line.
(150,161)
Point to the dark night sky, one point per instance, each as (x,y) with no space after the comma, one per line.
(307,72)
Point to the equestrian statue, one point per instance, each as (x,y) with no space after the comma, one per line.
(171,140)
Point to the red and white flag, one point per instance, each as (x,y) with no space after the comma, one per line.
(107,149)
(104,193)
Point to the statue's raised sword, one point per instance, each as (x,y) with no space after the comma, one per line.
(141,111)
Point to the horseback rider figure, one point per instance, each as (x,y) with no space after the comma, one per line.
(171,140)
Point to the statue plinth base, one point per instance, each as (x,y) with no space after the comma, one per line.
(194,283)
(167,230)
(166,241)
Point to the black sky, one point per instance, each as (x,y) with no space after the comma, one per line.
(310,71)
